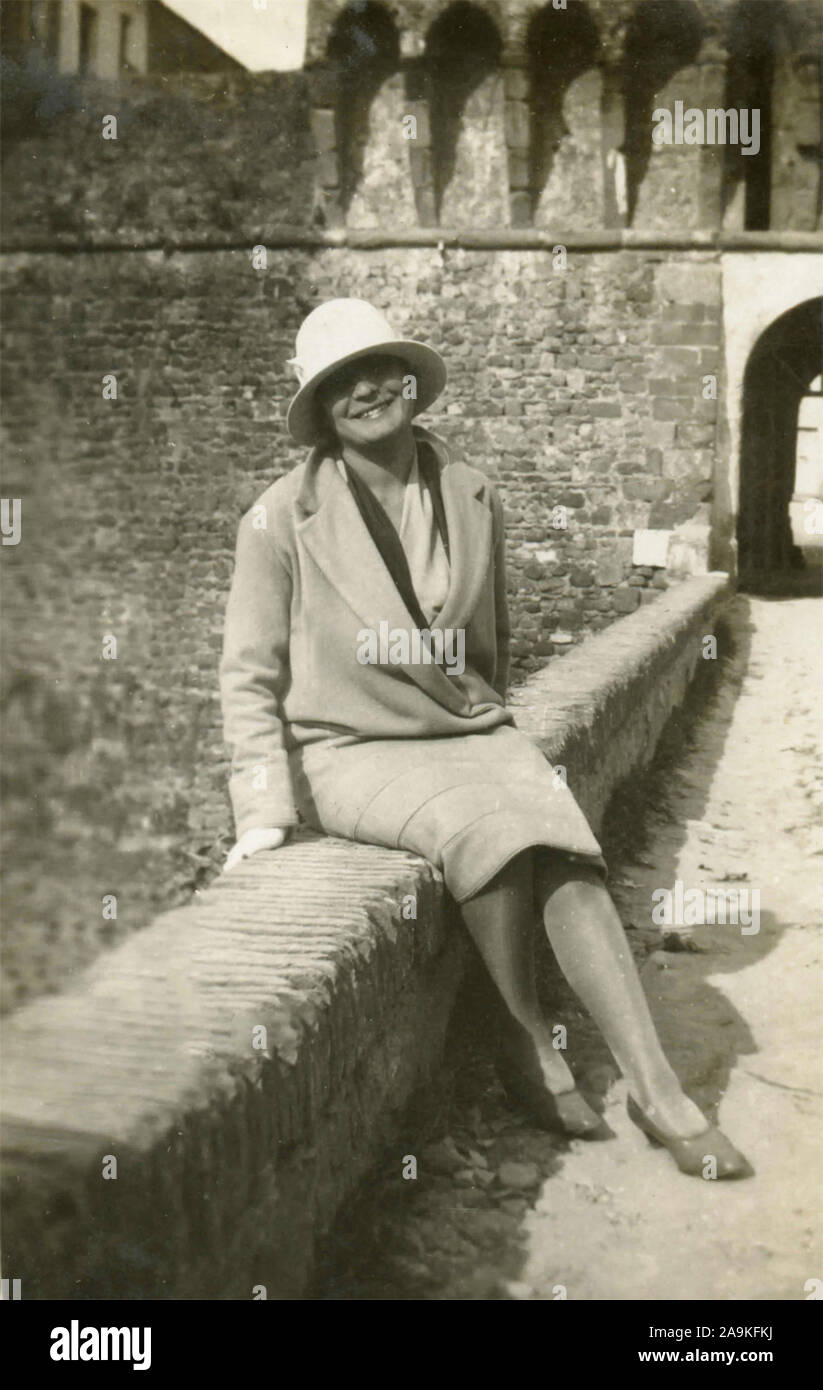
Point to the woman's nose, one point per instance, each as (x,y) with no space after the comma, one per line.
(364,388)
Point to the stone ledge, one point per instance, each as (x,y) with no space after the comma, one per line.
(613,694)
(231,1161)
(278,238)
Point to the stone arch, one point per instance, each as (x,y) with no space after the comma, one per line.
(364,51)
(758,288)
(786,358)
(663,40)
(565,97)
(463,59)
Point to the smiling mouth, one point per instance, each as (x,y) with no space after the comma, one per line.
(375,411)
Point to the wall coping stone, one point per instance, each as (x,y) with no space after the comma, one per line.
(442,238)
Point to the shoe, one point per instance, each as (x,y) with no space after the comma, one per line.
(690,1154)
(567,1113)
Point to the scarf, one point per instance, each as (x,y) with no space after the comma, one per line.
(384,534)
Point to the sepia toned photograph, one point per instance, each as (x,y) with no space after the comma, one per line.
(412,581)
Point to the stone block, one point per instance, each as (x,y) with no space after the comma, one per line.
(520,209)
(688,282)
(680,361)
(645,489)
(327,171)
(517,119)
(674,386)
(516,83)
(699,435)
(664,408)
(324,130)
(519,171)
(686,334)
(625,600)
(610,571)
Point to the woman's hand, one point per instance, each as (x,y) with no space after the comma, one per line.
(267,837)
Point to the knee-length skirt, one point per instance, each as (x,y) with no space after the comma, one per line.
(468,804)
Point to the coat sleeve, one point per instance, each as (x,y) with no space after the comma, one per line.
(501,605)
(254,676)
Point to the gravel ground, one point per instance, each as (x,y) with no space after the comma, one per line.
(502,1211)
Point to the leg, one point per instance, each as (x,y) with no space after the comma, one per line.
(500,919)
(588,940)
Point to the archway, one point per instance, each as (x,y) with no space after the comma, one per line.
(566,91)
(663,38)
(463,53)
(782,364)
(364,46)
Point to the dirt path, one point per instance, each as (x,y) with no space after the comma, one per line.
(501,1211)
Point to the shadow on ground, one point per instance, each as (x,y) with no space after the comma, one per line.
(456,1231)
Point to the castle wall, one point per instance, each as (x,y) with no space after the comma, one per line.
(577,388)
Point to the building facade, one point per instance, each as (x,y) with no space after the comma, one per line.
(107,38)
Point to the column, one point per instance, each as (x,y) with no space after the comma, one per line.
(518,128)
(324,97)
(416,79)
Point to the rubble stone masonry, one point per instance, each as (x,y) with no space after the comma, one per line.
(576,388)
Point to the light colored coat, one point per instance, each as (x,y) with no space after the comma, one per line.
(308,579)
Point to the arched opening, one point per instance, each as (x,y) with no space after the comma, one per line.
(562,46)
(364,47)
(754,29)
(783,363)
(663,37)
(463,51)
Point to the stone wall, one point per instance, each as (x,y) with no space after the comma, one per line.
(578,389)
(200,159)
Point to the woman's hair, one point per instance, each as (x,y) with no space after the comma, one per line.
(326,437)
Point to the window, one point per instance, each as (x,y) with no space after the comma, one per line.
(88,37)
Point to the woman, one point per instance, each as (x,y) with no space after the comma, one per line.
(364,679)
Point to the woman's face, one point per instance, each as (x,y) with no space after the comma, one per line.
(364,401)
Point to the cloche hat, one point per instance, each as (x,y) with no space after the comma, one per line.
(340,331)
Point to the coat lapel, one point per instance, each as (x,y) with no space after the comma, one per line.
(470,538)
(338,540)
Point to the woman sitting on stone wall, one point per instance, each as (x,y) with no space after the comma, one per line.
(364,680)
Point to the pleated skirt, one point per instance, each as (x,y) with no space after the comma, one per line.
(468,804)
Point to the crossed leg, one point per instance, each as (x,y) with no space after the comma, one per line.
(587,937)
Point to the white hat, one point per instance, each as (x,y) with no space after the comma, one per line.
(340,331)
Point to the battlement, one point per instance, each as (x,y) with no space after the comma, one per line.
(521,114)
